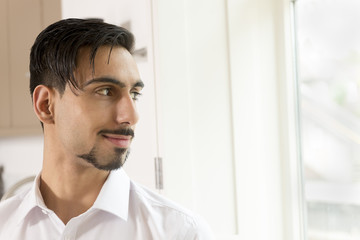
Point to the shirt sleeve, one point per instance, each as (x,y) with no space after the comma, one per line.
(200,231)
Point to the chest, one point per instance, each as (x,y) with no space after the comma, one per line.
(99,225)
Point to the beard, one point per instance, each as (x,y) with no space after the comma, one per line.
(114,162)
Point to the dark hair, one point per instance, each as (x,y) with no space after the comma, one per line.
(53,55)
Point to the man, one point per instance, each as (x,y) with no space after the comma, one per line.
(84,85)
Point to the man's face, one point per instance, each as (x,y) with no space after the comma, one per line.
(96,123)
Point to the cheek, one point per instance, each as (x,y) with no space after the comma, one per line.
(79,120)
(86,121)
(99,116)
(74,128)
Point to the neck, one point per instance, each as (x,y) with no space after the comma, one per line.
(68,188)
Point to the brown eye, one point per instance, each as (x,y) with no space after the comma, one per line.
(104,91)
(135,95)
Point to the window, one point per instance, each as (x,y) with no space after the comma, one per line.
(328,37)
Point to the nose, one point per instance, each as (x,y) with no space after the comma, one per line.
(126,112)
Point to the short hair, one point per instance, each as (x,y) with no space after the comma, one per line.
(54,53)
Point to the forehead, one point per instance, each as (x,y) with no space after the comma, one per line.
(115,62)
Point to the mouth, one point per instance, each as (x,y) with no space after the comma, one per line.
(120,141)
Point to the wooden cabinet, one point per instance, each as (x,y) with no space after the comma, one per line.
(20,22)
(4,67)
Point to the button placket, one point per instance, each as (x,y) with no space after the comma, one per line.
(70,230)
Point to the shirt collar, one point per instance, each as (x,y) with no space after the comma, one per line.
(31,200)
(113,197)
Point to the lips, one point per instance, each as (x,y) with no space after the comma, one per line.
(120,141)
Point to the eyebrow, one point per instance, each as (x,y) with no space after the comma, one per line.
(139,83)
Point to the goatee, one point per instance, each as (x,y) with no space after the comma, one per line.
(120,157)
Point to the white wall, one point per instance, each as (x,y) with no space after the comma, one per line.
(21,157)
(263,89)
(194,108)
(227,106)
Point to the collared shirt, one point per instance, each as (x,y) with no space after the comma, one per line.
(122,210)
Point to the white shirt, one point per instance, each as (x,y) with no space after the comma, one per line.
(122,210)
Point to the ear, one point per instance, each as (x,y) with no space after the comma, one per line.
(43,103)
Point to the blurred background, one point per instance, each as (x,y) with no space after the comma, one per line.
(249,117)
(329,78)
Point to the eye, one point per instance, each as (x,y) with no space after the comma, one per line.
(104,91)
(135,95)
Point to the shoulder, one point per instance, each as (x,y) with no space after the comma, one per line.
(169,213)
(10,204)
(8,209)
(145,196)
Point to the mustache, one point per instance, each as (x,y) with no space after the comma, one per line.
(121,131)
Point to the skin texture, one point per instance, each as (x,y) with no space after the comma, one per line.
(93,120)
